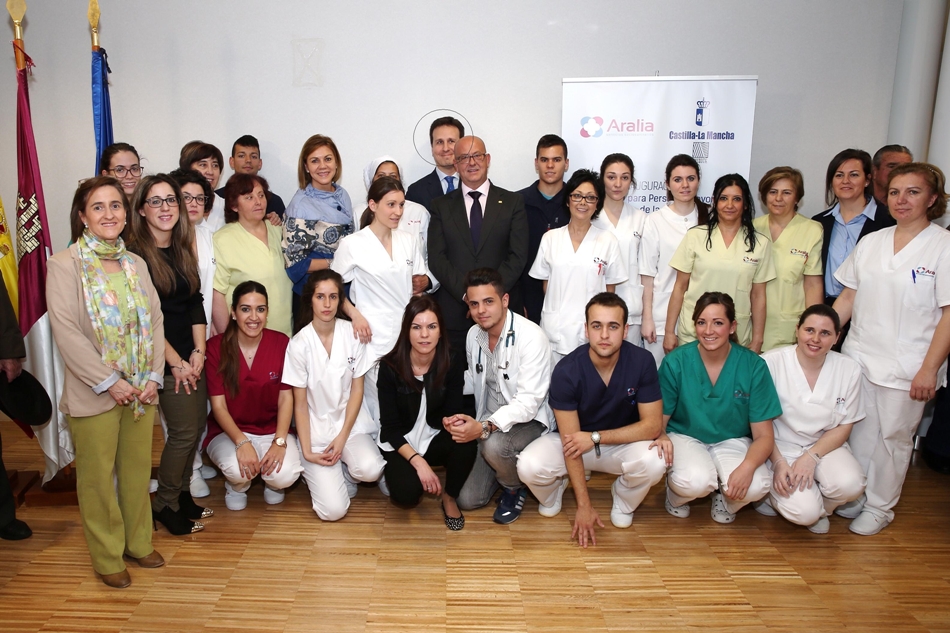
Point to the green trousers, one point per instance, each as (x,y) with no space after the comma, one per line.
(186,416)
(114,520)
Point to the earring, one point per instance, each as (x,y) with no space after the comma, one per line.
(86,226)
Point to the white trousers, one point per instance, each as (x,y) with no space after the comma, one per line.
(699,468)
(327,485)
(222,453)
(541,467)
(656,349)
(883,443)
(838,479)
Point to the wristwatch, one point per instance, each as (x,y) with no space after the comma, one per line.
(595,438)
(281,442)
(486,430)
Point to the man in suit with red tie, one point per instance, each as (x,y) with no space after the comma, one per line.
(478,225)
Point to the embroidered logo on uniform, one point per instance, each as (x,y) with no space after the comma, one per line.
(601,265)
(797,252)
(408,262)
(839,401)
(742,395)
(751,260)
(921,271)
(273,376)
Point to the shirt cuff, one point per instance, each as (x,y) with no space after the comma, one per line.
(157,378)
(103,386)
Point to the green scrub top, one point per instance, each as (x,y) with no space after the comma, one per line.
(743,394)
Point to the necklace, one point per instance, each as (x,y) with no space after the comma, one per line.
(249,355)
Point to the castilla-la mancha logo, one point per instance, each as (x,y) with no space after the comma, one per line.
(591,126)
(701,106)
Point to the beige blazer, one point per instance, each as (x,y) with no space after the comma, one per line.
(73,333)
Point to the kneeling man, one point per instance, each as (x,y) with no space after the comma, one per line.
(509,361)
(606,400)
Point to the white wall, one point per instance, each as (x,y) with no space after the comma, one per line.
(216,69)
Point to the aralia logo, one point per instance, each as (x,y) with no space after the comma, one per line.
(591,127)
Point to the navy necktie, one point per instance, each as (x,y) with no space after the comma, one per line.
(449,184)
(475,219)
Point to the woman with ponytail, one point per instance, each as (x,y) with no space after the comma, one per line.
(251,408)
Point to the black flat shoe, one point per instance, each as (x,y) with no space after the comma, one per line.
(194,512)
(453,523)
(15,530)
(176,522)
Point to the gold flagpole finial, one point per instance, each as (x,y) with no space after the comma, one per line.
(94,23)
(17,9)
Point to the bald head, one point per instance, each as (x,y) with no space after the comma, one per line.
(472,161)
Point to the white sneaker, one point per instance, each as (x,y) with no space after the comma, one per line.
(383,486)
(208,472)
(852,509)
(199,488)
(555,508)
(680,512)
(153,486)
(719,512)
(765,508)
(234,500)
(272,497)
(618,517)
(868,524)
(821,526)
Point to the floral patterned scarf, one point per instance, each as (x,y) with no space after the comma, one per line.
(126,347)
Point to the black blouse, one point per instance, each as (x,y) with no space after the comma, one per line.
(182,309)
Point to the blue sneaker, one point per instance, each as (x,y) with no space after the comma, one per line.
(510,506)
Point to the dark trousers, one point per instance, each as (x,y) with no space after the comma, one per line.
(7,504)
(405,489)
(829,301)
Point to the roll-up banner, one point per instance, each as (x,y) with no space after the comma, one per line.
(651,119)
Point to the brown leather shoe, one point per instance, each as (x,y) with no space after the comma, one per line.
(120,580)
(151,561)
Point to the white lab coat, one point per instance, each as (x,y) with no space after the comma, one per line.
(573,278)
(523,350)
(215,219)
(629,231)
(328,379)
(204,239)
(897,304)
(663,231)
(381,286)
(807,414)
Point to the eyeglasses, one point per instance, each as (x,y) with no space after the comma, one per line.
(121,170)
(589,198)
(478,157)
(156,202)
(188,198)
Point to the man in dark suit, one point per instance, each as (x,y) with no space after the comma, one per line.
(12,351)
(478,225)
(544,205)
(444,133)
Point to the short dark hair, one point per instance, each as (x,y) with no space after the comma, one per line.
(716,298)
(485,277)
(894,147)
(195,151)
(822,310)
(190,176)
(245,141)
(849,154)
(578,178)
(445,121)
(550,140)
(237,186)
(608,300)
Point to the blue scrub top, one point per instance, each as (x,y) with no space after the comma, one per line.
(576,386)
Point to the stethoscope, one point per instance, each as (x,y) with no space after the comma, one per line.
(509,339)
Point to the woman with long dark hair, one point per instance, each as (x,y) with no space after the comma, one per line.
(420,384)
(326,365)
(165,240)
(726,255)
(663,231)
(251,408)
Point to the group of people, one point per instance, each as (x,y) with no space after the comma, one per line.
(519,340)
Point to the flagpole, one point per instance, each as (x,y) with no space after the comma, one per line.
(17,9)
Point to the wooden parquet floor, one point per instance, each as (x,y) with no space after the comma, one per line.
(280,569)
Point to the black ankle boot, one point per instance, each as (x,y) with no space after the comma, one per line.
(191,509)
(176,522)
